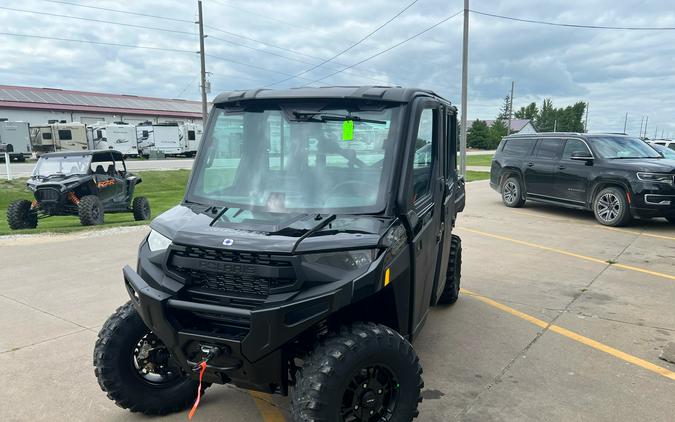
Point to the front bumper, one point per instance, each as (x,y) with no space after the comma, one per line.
(653,200)
(252,357)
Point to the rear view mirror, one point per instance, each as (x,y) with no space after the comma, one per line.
(581,155)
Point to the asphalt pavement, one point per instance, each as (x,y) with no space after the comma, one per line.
(560,319)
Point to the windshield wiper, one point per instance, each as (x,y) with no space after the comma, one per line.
(318,116)
(322,223)
(218,216)
(630,158)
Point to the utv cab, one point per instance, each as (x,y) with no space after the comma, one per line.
(314,235)
(87,184)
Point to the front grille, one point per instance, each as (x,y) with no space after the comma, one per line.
(47,195)
(231,272)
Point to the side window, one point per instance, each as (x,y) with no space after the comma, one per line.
(572,146)
(424,154)
(191,135)
(672,146)
(99,134)
(517,146)
(549,148)
(65,135)
(46,135)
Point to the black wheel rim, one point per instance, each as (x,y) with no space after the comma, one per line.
(371,395)
(152,362)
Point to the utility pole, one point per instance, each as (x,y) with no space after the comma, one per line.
(646,121)
(625,123)
(555,125)
(656,132)
(586,121)
(513,85)
(642,122)
(203,61)
(465,78)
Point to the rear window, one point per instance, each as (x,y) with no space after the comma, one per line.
(65,135)
(517,146)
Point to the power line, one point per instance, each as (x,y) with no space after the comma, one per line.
(570,25)
(371,33)
(152,28)
(379,53)
(126,12)
(259,15)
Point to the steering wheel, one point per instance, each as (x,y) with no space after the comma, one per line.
(341,185)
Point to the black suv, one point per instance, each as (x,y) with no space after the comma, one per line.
(617,176)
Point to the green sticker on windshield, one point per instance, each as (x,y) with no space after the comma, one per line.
(347,130)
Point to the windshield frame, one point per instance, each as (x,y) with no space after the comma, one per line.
(390,161)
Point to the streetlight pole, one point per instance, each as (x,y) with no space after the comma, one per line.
(465,77)
(203,61)
(513,87)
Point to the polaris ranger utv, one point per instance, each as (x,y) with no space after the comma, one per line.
(82,183)
(314,235)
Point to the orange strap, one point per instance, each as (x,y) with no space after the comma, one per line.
(202,368)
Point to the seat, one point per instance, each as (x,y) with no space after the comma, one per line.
(99,169)
(111,169)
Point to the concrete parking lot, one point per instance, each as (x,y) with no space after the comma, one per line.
(561,319)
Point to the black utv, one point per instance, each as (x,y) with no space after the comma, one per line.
(82,183)
(314,235)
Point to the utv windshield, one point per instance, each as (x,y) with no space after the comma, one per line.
(314,158)
(617,147)
(62,165)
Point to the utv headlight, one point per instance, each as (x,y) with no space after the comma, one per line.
(346,260)
(158,242)
(656,177)
(395,240)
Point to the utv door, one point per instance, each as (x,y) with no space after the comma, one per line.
(424,195)
(453,197)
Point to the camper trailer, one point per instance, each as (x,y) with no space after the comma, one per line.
(169,138)
(58,136)
(16,136)
(119,136)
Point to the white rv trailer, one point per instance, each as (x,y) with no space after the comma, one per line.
(58,136)
(169,138)
(16,135)
(118,136)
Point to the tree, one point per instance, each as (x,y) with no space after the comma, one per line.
(478,135)
(545,121)
(530,112)
(497,131)
(505,108)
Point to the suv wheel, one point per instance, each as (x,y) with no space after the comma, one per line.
(21,216)
(453,275)
(135,369)
(366,372)
(141,208)
(512,192)
(611,207)
(90,210)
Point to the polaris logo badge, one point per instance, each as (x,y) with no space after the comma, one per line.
(228,242)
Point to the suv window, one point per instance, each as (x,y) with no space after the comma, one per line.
(423,155)
(549,148)
(517,146)
(572,146)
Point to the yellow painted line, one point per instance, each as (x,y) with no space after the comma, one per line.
(572,254)
(596,226)
(577,337)
(269,412)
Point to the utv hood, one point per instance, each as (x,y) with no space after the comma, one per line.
(187,227)
(61,182)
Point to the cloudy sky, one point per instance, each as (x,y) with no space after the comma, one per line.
(257,43)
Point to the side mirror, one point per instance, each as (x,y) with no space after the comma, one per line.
(581,155)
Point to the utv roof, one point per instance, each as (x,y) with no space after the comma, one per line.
(116,154)
(378,93)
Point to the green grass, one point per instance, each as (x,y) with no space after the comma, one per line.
(472,176)
(479,160)
(164,189)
